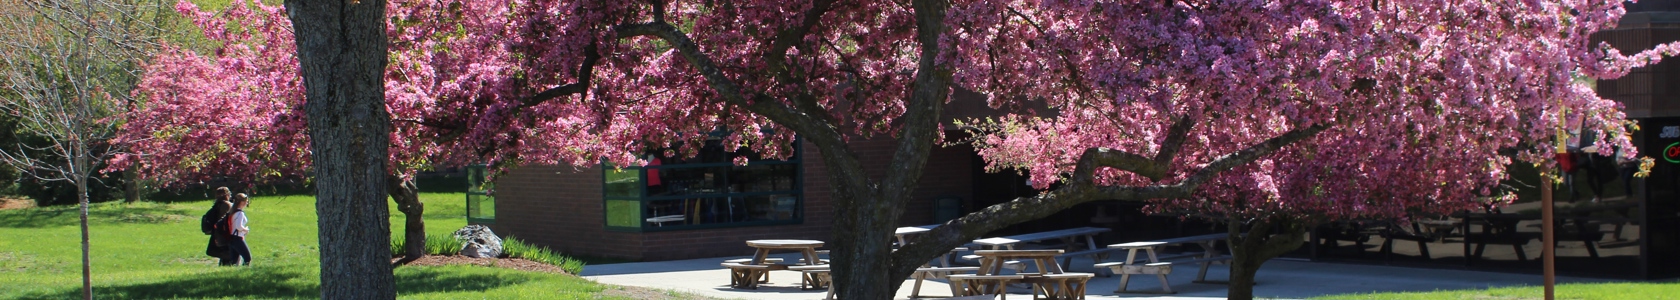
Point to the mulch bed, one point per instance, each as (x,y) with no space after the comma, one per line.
(508,263)
(7,202)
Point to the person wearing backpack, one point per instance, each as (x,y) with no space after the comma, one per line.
(234,232)
(207,223)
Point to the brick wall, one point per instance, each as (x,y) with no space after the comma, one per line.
(562,208)
(1644,92)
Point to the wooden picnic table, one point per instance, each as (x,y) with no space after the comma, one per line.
(1130,266)
(1051,283)
(1156,265)
(747,274)
(1069,236)
(1076,241)
(808,248)
(1209,255)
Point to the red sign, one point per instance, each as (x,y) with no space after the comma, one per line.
(1672,153)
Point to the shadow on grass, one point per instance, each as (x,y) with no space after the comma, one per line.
(266,282)
(56,216)
(236,282)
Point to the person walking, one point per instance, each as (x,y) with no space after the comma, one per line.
(219,209)
(238,251)
(1626,166)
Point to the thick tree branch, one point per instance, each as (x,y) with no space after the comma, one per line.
(811,128)
(1175,140)
(962,230)
(727,88)
(775,60)
(1085,171)
(583,74)
(922,113)
(658,10)
(1251,153)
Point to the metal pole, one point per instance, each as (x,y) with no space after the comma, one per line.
(1546,232)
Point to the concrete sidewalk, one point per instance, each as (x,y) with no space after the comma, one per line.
(1277,279)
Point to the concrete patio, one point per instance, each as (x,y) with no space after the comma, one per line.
(1277,279)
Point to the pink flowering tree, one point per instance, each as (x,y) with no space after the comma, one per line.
(1258,113)
(1276,116)
(239,111)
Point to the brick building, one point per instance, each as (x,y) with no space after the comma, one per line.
(707,207)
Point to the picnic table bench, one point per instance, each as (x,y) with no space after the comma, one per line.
(1051,282)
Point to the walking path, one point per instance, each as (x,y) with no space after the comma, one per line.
(1277,279)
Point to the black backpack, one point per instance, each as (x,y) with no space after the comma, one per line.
(207,223)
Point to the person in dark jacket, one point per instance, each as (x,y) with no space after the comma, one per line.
(220,208)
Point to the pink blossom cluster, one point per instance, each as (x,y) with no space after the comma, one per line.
(1421,97)
(237,113)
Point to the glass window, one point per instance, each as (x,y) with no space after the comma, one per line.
(704,191)
(481,199)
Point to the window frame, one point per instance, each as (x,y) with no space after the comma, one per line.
(479,173)
(642,198)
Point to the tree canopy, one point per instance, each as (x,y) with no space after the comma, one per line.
(1244,110)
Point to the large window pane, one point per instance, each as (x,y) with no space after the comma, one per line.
(704,191)
(624,213)
(625,182)
(481,199)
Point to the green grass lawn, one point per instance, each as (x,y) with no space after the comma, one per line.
(155,250)
(1610,290)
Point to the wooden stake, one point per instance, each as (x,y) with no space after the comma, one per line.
(1546,233)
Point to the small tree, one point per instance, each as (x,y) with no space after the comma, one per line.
(66,68)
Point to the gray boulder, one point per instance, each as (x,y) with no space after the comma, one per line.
(479,242)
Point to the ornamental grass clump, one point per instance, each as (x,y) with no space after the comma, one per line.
(436,244)
(512,247)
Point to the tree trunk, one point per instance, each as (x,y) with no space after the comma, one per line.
(1243,268)
(1266,239)
(866,212)
(862,254)
(131,184)
(407,196)
(79,174)
(342,50)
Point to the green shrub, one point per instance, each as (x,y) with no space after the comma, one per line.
(513,247)
(436,244)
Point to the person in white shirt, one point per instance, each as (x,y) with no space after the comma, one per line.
(237,249)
